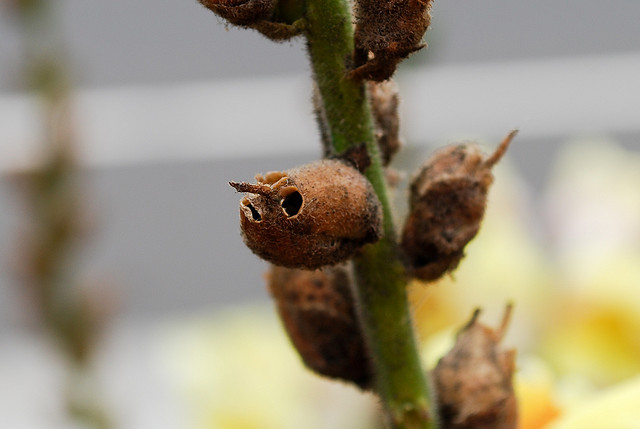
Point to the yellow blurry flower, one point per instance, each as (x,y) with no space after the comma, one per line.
(594,214)
(617,407)
(237,370)
(534,386)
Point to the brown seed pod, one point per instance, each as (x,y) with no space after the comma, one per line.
(473,381)
(386,33)
(241,12)
(447,203)
(257,14)
(318,313)
(384,105)
(311,216)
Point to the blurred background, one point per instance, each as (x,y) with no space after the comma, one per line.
(169,104)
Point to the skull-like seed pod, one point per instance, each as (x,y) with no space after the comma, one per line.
(318,312)
(474,380)
(311,216)
(447,203)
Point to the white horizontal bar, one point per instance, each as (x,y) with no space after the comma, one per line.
(273,115)
(559,97)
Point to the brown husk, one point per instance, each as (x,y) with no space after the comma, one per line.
(318,312)
(474,380)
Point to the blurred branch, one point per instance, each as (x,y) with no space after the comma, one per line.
(72,313)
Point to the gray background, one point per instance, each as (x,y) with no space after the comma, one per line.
(159,41)
(167,235)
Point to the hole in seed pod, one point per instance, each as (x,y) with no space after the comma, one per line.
(254,213)
(292,203)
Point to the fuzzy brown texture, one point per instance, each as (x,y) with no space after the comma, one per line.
(474,380)
(311,216)
(384,101)
(256,14)
(386,33)
(447,203)
(318,312)
(241,12)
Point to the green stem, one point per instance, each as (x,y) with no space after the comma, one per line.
(380,275)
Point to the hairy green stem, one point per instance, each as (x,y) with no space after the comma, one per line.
(380,276)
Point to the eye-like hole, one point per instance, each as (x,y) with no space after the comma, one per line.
(292,203)
(255,214)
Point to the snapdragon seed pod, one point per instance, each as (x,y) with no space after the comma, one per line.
(318,312)
(474,380)
(447,203)
(311,216)
(386,33)
(241,12)
(384,106)
(261,15)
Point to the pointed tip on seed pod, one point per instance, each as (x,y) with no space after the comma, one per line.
(447,204)
(318,214)
(318,312)
(474,380)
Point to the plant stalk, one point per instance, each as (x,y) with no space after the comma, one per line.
(381,282)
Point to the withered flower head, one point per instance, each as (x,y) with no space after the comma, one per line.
(447,203)
(473,381)
(386,33)
(318,313)
(311,216)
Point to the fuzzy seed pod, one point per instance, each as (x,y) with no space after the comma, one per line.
(447,203)
(257,14)
(473,381)
(384,105)
(386,33)
(241,12)
(311,216)
(318,313)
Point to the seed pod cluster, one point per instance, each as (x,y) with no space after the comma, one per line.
(311,216)
(261,15)
(386,33)
(447,203)
(474,380)
(318,313)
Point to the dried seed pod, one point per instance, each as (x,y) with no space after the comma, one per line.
(386,33)
(257,14)
(311,216)
(318,313)
(241,12)
(473,381)
(384,105)
(447,203)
